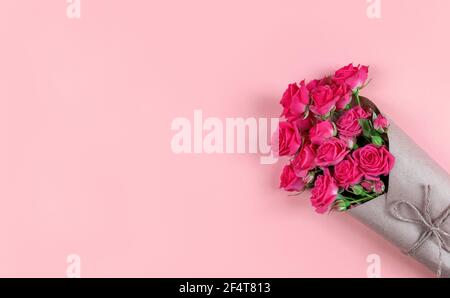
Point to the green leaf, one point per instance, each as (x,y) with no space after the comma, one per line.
(341,197)
(374,116)
(329,114)
(366,127)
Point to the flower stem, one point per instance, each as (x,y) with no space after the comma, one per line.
(366,198)
(358,101)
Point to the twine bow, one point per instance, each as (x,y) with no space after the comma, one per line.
(432,227)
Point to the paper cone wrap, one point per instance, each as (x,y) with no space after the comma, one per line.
(414,170)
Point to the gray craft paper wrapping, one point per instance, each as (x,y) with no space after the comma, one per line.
(413,170)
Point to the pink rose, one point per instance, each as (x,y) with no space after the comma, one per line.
(348,123)
(304,161)
(316,83)
(342,95)
(367,185)
(303,124)
(324,192)
(289,181)
(379,186)
(380,123)
(288,140)
(354,77)
(322,131)
(294,100)
(331,152)
(374,161)
(323,100)
(360,112)
(347,173)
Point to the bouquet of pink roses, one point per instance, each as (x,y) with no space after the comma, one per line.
(352,158)
(338,146)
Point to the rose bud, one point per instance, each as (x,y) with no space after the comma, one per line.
(367,185)
(380,123)
(379,186)
(341,205)
(373,186)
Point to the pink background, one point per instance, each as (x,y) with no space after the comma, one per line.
(85,112)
